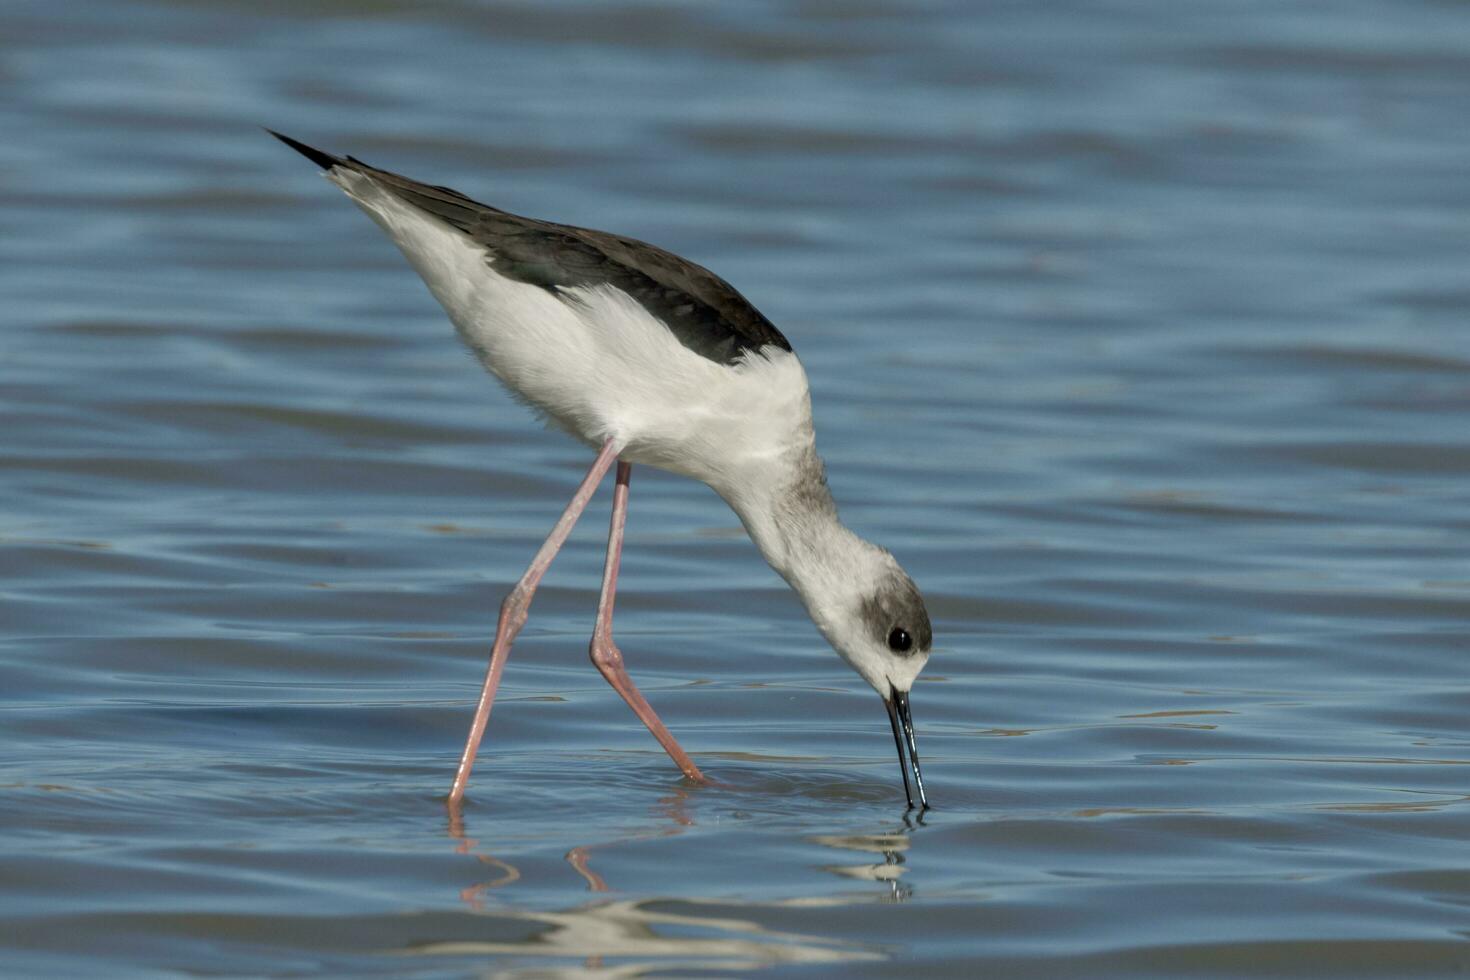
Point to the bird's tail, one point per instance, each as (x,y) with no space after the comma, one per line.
(445,203)
(322,159)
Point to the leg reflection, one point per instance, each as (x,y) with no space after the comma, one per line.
(672,811)
(473,896)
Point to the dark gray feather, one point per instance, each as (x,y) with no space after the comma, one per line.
(898,605)
(703,311)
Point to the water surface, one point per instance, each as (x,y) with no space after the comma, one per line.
(1136,330)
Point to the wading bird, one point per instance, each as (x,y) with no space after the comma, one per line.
(650,358)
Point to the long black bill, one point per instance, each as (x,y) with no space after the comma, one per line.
(902,720)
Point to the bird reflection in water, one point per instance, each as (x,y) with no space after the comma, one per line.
(473,896)
(673,811)
(658,933)
(888,872)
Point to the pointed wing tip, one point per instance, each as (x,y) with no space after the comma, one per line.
(324,160)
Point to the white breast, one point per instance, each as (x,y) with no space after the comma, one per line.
(596,363)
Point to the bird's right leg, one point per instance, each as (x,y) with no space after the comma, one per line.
(605,653)
(513,611)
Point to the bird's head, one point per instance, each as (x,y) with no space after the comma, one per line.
(874,617)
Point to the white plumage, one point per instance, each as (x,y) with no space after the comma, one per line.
(598,364)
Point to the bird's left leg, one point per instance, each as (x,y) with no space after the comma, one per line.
(513,613)
(605,653)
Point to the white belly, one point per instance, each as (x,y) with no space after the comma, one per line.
(597,364)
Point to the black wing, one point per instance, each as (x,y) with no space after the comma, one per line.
(703,311)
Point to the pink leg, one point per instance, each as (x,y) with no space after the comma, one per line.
(605,653)
(513,612)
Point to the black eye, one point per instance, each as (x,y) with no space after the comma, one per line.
(899,640)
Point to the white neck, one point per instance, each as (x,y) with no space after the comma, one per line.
(789,513)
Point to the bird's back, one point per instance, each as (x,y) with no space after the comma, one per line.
(606,336)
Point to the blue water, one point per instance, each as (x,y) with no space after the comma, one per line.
(1136,330)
